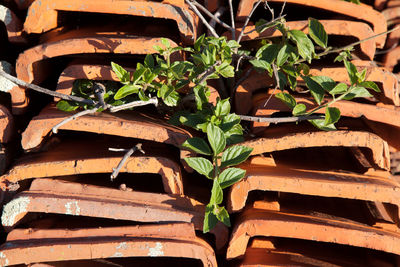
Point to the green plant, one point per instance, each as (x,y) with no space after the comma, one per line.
(286,59)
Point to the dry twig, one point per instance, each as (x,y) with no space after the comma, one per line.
(128,153)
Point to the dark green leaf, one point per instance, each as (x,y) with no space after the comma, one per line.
(223,216)
(198,145)
(143,96)
(216,138)
(229,121)
(126,90)
(235,155)
(234,135)
(299,110)
(316,89)
(332,115)
(371,85)
(66,106)
(351,71)
(149,61)
(283,55)
(216,193)
(320,124)
(340,88)
(325,82)
(210,220)
(357,92)
(304,44)
(317,32)
(121,73)
(287,99)
(268,52)
(282,80)
(260,65)
(230,176)
(192,120)
(201,165)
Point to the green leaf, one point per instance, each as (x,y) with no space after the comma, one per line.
(198,145)
(192,120)
(332,115)
(225,70)
(229,121)
(351,71)
(169,95)
(262,25)
(165,42)
(282,80)
(268,52)
(287,99)
(235,155)
(325,82)
(66,106)
(216,138)
(216,193)
(316,89)
(230,176)
(201,165)
(283,55)
(199,42)
(320,124)
(121,73)
(357,92)
(260,65)
(234,135)
(361,75)
(340,88)
(304,44)
(149,61)
(126,90)
(143,96)
(371,85)
(299,109)
(317,32)
(201,94)
(223,216)
(210,220)
(223,107)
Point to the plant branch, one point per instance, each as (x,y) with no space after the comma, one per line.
(232,20)
(208,13)
(247,20)
(266,24)
(244,77)
(217,14)
(73,117)
(99,90)
(46,91)
(279,120)
(151,101)
(129,153)
(204,75)
(211,29)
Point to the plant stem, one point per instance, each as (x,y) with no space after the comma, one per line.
(279,120)
(124,159)
(208,13)
(247,20)
(232,20)
(211,29)
(75,116)
(151,101)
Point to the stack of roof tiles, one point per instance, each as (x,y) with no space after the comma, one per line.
(309,198)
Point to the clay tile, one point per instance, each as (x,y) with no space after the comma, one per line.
(42,15)
(31,63)
(384,114)
(281,138)
(132,124)
(387,81)
(13,25)
(308,227)
(357,12)
(83,157)
(60,197)
(332,27)
(161,240)
(315,183)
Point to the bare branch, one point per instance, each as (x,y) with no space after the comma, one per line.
(270,10)
(204,75)
(212,16)
(124,159)
(151,101)
(46,91)
(281,119)
(247,20)
(244,77)
(282,9)
(277,84)
(217,14)
(233,30)
(189,2)
(73,117)
(266,24)
(99,90)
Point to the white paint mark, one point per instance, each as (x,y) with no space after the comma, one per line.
(122,245)
(117,255)
(3,259)
(72,208)
(5,84)
(5,15)
(13,209)
(156,251)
